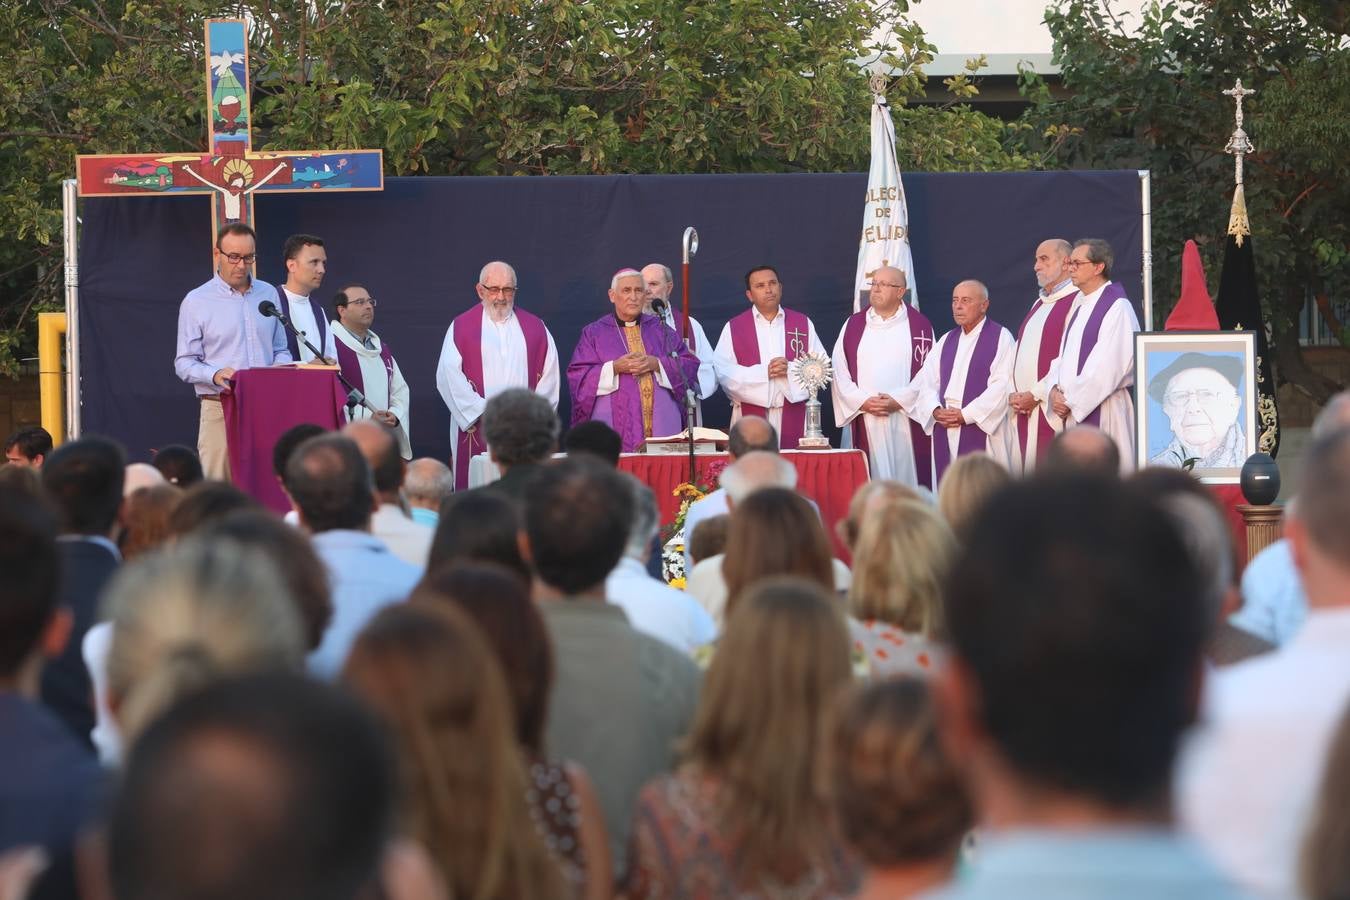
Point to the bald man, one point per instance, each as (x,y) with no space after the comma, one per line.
(961,394)
(880,350)
(1038,340)
(658,284)
(492,346)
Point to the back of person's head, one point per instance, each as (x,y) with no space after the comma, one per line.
(431,677)
(380,448)
(31,570)
(179,465)
(596,438)
(578,516)
(428,482)
(145,519)
(898,798)
(709,538)
(1334,416)
(290,439)
(1324,865)
(188,616)
(84,479)
(900,564)
(966,487)
(206,502)
(751,433)
(500,604)
(33,443)
(23,480)
(519,427)
(479,526)
(872,492)
(293,554)
(270,787)
(775,531)
(1321,517)
(754,471)
(140,475)
(330,482)
(646,520)
(1074,612)
(1203,526)
(1084,449)
(761,723)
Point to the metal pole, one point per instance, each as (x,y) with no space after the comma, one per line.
(1146,202)
(72,253)
(689,244)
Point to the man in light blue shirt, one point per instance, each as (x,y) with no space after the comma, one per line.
(330,482)
(1077,633)
(221,331)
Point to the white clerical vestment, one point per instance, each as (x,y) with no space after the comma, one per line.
(703,349)
(383,389)
(988,409)
(1107,373)
(884,361)
(505,365)
(302,317)
(752,384)
(1026,376)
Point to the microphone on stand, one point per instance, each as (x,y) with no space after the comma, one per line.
(354,396)
(270,310)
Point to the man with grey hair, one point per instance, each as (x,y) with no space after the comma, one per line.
(658,284)
(492,346)
(750,433)
(629,370)
(652,606)
(1273,603)
(960,396)
(1089,384)
(521,430)
(1038,343)
(426,484)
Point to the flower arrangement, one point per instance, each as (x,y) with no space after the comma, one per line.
(672,546)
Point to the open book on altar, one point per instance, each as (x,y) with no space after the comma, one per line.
(308,365)
(706,440)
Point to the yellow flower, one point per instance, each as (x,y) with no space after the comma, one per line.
(677,583)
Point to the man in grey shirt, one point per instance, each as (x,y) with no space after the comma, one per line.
(621,699)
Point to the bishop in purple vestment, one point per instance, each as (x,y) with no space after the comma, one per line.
(630,370)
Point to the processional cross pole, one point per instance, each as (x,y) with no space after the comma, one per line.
(230,171)
(1239,144)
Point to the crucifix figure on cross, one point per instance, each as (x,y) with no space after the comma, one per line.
(230,171)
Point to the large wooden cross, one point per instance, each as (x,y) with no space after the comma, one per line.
(230,171)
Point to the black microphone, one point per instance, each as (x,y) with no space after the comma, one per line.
(659,307)
(269,309)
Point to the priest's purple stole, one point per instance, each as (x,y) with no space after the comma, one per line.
(319,324)
(745,344)
(921,341)
(1052,336)
(468,327)
(350,364)
(1110,294)
(972,437)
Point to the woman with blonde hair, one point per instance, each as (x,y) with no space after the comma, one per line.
(901,558)
(748,812)
(967,485)
(868,494)
(189,615)
(429,673)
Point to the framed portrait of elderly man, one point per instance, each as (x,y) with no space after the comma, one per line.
(1197,403)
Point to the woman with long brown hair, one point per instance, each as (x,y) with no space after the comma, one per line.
(748,813)
(774,532)
(428,672)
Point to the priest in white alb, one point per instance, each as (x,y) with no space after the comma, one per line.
(1091,380)
(961,394)
(1038,341)
(879,351)
(492,346)
(369,365)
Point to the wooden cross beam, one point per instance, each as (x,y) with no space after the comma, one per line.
(230,171)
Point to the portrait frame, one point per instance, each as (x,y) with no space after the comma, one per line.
(1209,362)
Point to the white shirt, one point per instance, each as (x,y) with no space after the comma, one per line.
(657,609)
(505,365)
(752,384)
(1273,604)
(703,349)
(408,540)
(1026,364)
(302,317)
(1250,777)
(885,354)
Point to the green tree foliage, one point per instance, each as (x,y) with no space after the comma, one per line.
(1147,93)
(487,87)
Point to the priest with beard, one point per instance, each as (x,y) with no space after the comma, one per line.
(630,370)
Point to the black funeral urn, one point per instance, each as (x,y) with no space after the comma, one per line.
(1260,479)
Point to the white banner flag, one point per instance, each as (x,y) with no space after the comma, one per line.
(885,227)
